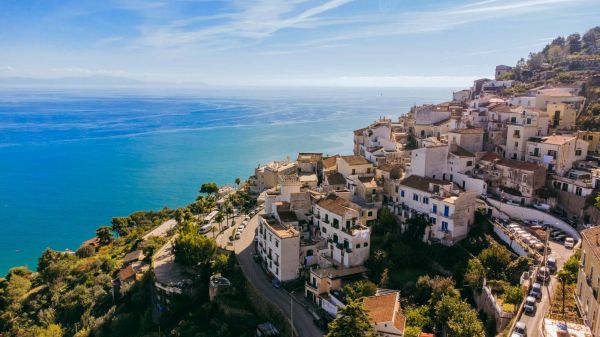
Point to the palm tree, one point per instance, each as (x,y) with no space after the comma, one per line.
(228,210)
(564,277)
(237,182)
(219,218)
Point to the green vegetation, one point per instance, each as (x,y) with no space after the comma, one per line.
(191,248)
(352,321)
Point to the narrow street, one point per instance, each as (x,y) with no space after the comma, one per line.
(244,249)
(534,323)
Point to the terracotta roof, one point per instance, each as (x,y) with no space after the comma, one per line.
(330,162)
(424,334)
(335,204)
(126,273)
(136,255)
(468,131)
(462,152)
(336,178)
(355,160)
(385,308)
(490,156)
(521,165)
(592,237)
(309,157)
(421,183)
(359,131)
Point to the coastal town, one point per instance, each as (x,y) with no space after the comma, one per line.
(476,216)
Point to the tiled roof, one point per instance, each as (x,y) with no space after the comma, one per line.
(336,178)
(309,157)
(490,156)
(462,152)
(421,183)
(126,273)
(355,160)
(335,204)
(592,237)
(385,308)
(136,255)
(557,139)
(521,165)
(330,162)
(468,131)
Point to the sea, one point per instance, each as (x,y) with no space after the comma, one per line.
(71,159)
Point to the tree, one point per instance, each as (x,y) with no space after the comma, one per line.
(191,248)
(591,40)
(495,259)
(85,251)
(179,216)
(104,235)
(556,54)
(419,317)
(219,263)
(219,219)
(238,181)
(513,295)
(360,289)
(209,188)
(564,277)
(384,280)
(228,211)
(120,225)
(515,268)
(352,321)
(574,43)
(475,274)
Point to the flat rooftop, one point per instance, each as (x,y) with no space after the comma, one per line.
(278,229)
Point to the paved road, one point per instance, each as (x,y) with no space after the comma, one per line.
(534,323)
(244,248)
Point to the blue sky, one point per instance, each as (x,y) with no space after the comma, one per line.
(270,42)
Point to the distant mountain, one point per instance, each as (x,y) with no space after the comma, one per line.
(88,81)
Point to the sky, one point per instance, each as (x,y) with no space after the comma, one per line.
(281,43)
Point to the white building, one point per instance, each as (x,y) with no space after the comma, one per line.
(449,211)
(338,221)
(279,247)
(354,165)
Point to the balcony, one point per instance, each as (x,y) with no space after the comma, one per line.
(269,256)
(326,221)
(311,286)
(276,262)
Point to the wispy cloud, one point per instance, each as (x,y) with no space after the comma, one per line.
(251,20)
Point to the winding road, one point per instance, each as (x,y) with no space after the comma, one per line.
(244,249)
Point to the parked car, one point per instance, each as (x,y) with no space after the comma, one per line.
(551,264)
(542,207)
(237,235)
(510,202)
(521,329)
(530,305)
(276,283)
(569,243)
(560,237)
(543,274)
(536,291)
(484,196)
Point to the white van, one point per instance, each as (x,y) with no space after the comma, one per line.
(206,228)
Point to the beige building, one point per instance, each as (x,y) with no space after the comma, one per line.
(563,116)
(267,176)
(588,279)
(279,247)
(470,139)
(556,152)
(323,281)
(354,165)
(593,139)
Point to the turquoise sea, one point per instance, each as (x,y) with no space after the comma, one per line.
(72,159)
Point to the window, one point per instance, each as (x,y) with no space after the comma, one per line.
(324,229)
(402,193)
(366,244)
(565,187)
(578,152)
(434,208)
(426,200)
(432,220)
(276,243)
(370,213)
(469,163)
(270,237)
(415,197)
(516,144)
(396,189)
(444,226)
(336,223)
(578,190)
(357,245)
(446,210)
(353,171)
(368,170)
